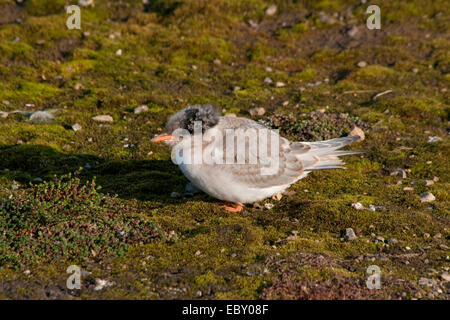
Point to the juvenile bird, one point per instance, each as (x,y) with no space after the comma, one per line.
(239,172)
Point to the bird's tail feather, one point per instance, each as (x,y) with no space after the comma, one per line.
(325,154)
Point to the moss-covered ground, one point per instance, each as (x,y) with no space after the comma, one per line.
(168,54)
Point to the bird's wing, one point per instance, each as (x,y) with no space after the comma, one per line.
(288,161)
(256,168)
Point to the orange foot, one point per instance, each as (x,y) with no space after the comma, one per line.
(228,206)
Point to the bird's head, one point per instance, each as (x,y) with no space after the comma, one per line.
(206,115)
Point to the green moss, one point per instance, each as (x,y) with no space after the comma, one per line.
(168,60)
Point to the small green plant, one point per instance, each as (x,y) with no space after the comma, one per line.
(313,125)
(66,219)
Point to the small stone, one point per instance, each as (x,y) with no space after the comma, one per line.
(408,188)
(285,103)
(279,84)
(415,70)
(217,62)
(380,238)
(103,118)
(357,206)
(362,64)
(435,179)
(198,252)
(427,197)
(86,3)
(252,23)
(271,10)
(407,248)
(140,109)
(399,173)
(199,293)
(27,272)
(267,80)
(326,18)
(372,207)
(101,284)
(353,31)
(76,127)
(260,111)
(437,236)
(426,235)
(268,69)
(268,206)
(78,86)
(445,276)
(348,234)
(357,132)
(434,139)
(119,52)
(277,196)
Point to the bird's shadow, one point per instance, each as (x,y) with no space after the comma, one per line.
(149,180)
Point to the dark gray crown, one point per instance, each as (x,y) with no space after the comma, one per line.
(208,114)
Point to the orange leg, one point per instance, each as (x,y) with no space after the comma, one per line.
(228,206)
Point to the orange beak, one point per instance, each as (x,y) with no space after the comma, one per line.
(162,137)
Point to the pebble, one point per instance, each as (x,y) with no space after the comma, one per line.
(415,70)
(140,109)
(279,84)
(408,188)
(103,118)
(267,80)
(268,69)
(362,64)
(260,111)
(372,207)
(217,62)
(399,173)
(445,276)
(277,196)
(437,236)
(101,284)
(76,127)
(353,31)
(86,3)
(326,18)
(271,10)
(268,206)
(426,235)
(349,234)
(434,139)
(357,132)
(357,206)
(427,197)
(119,52)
